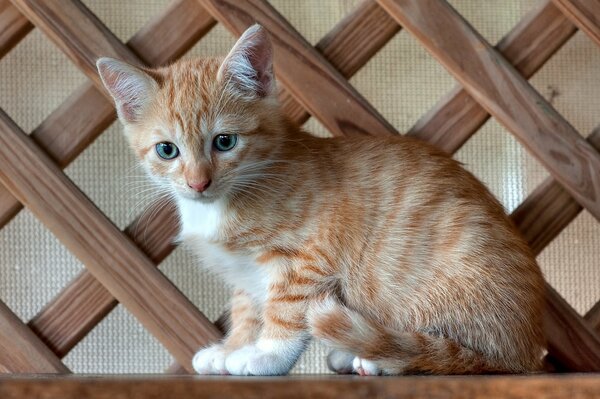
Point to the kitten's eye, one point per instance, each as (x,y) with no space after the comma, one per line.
(225,142)
(167,150)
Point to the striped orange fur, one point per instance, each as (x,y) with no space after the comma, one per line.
(385,248)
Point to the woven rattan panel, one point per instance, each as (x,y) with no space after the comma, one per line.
(402,81)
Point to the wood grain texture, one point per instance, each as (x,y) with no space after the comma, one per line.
(21,351)
(457,116)
(351,43)
(86,113)
(540,386)
(540,218)
(13,27)
(548,209)
(78,33)
(106,252)
(79,307)
(303,71)
(576,349)
(593,317)
(505,94)
(583,13)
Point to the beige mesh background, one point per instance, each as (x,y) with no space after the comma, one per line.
(402,81)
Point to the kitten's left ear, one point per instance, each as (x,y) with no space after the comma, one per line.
(131,88)
(249,64)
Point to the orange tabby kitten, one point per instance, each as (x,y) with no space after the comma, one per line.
(386,249)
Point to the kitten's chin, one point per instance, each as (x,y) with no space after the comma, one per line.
(192,195)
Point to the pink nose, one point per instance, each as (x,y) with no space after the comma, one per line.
(199,186)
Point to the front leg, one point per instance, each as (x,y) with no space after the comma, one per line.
(245,327)
(284,335)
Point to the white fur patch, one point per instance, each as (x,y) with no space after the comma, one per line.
(365,367)
(210,360)
(202,223)
(269,357)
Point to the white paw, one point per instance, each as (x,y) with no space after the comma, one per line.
(365,367)
(210,360)
(340,362)
(251,360)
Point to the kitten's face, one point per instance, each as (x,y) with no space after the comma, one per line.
(204,128)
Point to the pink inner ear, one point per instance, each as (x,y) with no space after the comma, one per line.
(260,56)
(250,62)
(127,85)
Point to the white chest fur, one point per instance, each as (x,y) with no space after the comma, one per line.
(201,225)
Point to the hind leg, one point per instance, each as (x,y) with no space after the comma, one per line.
(366,367)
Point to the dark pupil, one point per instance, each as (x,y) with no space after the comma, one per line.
(167,149)
(224,141)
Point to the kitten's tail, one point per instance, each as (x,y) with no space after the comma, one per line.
(393,352)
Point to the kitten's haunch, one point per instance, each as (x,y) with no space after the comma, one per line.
(386,249)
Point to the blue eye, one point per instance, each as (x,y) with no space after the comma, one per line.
(167,150)
(225,142)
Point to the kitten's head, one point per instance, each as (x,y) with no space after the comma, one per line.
(204,127)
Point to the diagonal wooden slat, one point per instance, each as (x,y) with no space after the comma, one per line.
(577,349)
(593,317)
(303,71)
(78,308)
(107,253)
(87,112)
(13,27)
(499,88)
(457,116)
(548,209)
(583,13)
(21,351)
(348,47)
(78,33)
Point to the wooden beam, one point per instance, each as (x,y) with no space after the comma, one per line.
(86,113)
(303,71)
(107,253)
(539,386)
(13,27)
(21,351)
(79,307)
(457,116)
(505,94)
(84,302)
(351,43)
(78,33)
(583,13)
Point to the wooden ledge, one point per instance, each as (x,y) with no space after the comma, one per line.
(570,386)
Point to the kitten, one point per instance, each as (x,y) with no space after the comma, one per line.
(386,249)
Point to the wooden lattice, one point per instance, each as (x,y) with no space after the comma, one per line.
(121,267)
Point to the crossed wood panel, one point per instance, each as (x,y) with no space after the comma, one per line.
(311,78)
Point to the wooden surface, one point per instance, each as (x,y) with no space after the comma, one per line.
(303,71)
(106,252)
(505,94)
(583,13)
(457,116)
(13,27)
(335,387)
(21,351)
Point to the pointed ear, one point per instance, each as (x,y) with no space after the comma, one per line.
(249,64)
(130,87)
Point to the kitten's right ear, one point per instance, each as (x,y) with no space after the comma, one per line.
(130,87)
